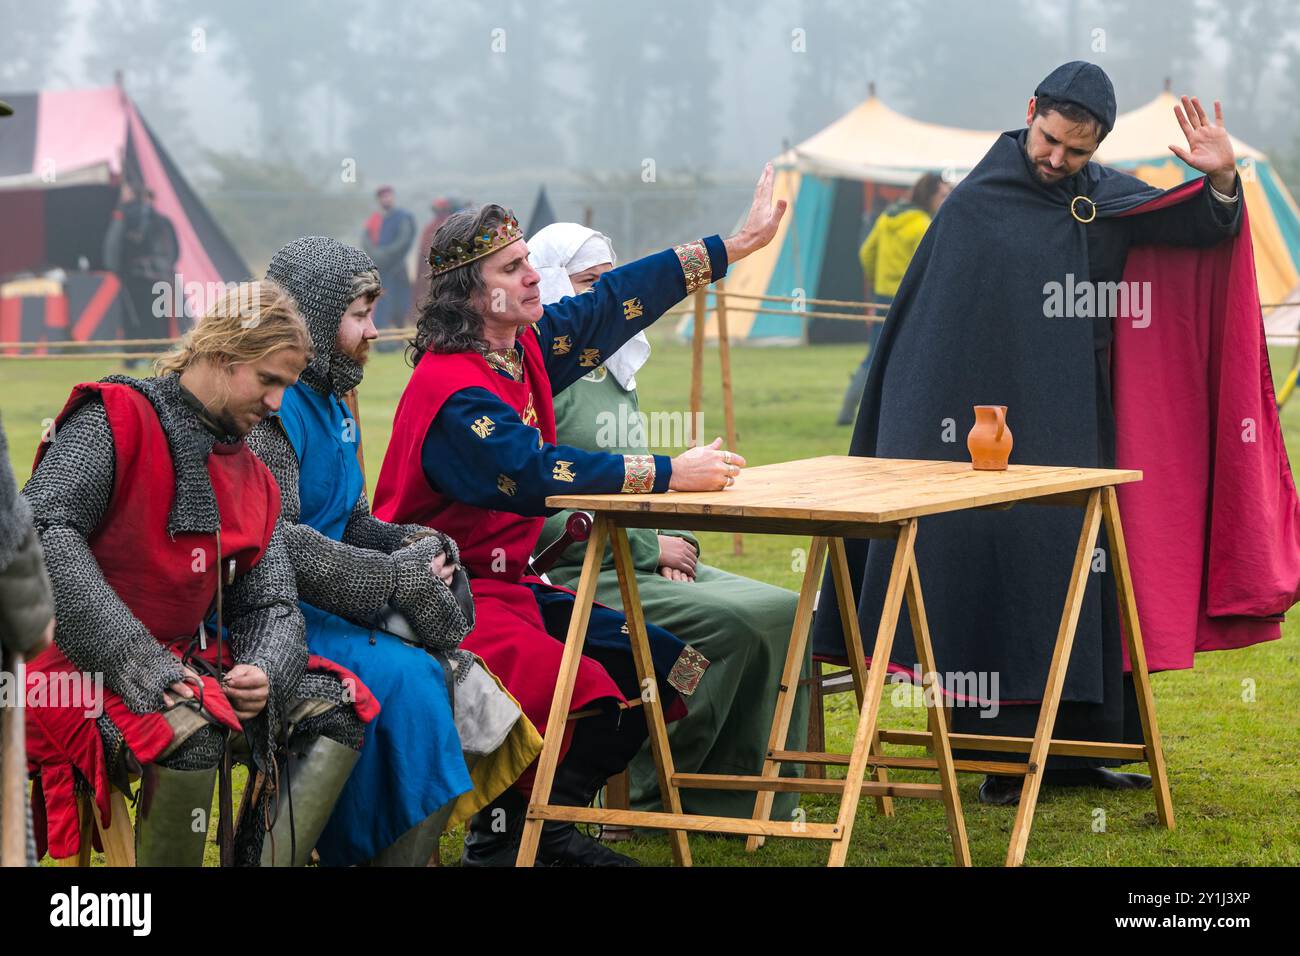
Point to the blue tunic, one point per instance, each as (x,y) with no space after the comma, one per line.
(411,763)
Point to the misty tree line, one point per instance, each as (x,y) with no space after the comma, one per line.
(577,79)
(498,86)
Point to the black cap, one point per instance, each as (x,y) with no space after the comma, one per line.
(1083,84)
(6,109)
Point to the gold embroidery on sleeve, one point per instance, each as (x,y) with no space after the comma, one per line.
(506,486)
(632,309)
(638,474)
(694,257)
(561,345)
(590,358)
(483,426)
(562,471)
(529,415)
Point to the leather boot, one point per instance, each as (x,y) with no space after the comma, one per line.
(168,832)
(492,835)
(562,843)
(1001,791)
(310,784)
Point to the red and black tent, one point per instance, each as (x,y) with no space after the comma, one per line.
(63,157)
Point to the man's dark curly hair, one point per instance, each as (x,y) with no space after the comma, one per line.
(448,321)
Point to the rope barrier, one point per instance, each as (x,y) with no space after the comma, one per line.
(131,348)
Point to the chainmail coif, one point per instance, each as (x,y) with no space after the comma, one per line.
(318,273)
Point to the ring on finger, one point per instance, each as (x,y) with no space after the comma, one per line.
(726,457)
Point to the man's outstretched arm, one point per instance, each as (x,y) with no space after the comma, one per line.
(578,333)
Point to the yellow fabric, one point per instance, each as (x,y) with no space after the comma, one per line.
(873,143)
(890,246)
(34,286)
(1147,131)
(496,771)
(1274,269)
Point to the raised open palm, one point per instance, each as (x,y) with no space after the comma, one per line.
(1209,148)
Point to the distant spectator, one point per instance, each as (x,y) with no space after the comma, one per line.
(141,249)
(442,207)
(885,256)
(387,239)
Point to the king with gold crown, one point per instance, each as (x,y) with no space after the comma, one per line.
(474,454)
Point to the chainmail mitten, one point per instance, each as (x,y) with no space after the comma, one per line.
(419,532)
(366,531)
(424,600)
(69,494)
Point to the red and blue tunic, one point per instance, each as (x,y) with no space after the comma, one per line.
(474,454)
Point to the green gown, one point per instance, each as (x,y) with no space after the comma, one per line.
(742,626)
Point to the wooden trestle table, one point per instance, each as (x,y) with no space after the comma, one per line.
(830,499)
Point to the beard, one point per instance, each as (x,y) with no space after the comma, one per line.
(1044,175)
(232,424)
(360,353)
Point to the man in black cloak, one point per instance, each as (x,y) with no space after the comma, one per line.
(973,323)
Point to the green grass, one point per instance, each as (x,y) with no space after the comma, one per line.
(1233,767)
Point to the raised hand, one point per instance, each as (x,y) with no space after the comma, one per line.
(760,225)
(1209,148)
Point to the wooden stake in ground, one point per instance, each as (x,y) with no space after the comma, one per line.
(13,770)
(697,368)
(728,408)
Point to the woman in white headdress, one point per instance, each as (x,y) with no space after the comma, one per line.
(741,625)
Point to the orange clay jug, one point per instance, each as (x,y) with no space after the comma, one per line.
(990,440)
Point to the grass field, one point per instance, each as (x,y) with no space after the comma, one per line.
(1233,763)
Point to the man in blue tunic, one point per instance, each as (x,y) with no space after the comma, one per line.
(360,579)
(387,239)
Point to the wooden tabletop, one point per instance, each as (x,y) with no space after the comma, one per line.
(843,488)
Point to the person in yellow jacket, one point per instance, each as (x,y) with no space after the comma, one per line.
(885,256)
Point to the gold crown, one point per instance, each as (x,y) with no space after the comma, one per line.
(485,243)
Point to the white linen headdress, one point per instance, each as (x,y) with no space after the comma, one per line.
(563,249)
